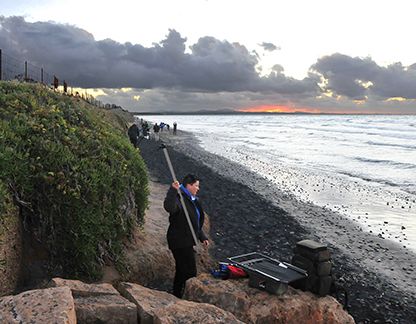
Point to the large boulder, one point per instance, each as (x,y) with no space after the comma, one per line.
(80,289)
(52,305)
(190,312)
(98,303)
(255,306)
(160,307)
(110,309)
(146,300)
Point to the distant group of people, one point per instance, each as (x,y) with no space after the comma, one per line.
(140,129)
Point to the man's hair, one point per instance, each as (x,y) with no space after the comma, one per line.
(189,179)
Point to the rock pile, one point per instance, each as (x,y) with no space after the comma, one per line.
(209,300)
(256,306)
(160,307)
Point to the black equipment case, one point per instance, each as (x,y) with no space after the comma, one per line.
(268,274)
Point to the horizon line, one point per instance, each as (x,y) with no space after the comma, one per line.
(268,113)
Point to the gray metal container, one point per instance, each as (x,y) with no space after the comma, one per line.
(266,273)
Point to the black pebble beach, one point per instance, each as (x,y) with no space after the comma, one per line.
(243,221)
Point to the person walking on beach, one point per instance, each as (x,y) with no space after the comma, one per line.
(156,129)
(175,125)
(179,236)
(145,129)
(133,133)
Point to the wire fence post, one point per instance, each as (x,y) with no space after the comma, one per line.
(1,73)
(11,69)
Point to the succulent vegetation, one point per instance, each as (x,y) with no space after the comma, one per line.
(73,173)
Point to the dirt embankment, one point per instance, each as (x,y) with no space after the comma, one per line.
(10,250)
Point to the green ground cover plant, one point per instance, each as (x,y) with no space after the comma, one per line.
(73,173)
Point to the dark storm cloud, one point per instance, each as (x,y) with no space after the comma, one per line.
(210,66)
(357,78)
(269,47)
(209,74)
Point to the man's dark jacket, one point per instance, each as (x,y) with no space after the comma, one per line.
(133,131)
(179,235)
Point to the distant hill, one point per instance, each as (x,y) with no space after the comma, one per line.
(219,112)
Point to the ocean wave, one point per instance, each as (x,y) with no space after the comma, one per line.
(368,179)
(407,188)
(387,162)
(391,145)
(388,133)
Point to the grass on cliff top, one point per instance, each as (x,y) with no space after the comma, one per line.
(73,173)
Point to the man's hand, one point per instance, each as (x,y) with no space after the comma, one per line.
(176,185)
(205,242)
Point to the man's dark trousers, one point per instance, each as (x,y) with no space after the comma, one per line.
(185,268)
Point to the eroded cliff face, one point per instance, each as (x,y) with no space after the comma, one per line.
(10,247)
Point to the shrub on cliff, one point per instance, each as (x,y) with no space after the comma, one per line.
(74,174)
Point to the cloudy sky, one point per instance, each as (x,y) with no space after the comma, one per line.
(190,55)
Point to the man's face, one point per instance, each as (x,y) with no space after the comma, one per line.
(193,188)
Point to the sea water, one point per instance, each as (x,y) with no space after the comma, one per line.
(362,166)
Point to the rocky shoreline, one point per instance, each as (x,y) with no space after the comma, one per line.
(73,301)
(379,292)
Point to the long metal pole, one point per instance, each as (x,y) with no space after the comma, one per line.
(165,151)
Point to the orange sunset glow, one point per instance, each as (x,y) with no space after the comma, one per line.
(278,109)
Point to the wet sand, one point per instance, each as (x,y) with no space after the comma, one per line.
(248,214)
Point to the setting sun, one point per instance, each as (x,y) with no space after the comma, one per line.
(277,109)
(267,109)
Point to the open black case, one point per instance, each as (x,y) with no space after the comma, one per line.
(268,274)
